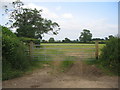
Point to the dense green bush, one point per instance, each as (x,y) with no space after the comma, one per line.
(110,55)
(14,57)
(27,40)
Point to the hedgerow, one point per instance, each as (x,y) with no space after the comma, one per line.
(110,55)
(14,57)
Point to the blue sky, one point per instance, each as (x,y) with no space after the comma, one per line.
(101,18)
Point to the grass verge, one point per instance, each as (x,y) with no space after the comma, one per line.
(35,64)
(99,64)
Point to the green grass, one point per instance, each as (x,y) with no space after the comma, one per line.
(98,64)
(46,56)
(60,50)
(13,73)
(35,64)
(68,62)
(49,51)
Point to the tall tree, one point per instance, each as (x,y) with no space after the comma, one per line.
(51,40)
(111,36)
(66,40)
(29,22)
(85,36)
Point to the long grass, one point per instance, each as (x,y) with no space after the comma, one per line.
(97,63)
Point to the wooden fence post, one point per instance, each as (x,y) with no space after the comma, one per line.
(96,49)
(30,48)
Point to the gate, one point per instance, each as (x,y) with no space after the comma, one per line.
(47,51)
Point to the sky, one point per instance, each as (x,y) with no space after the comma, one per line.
(101,18)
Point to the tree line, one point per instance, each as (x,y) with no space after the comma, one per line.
(29,23)
(85,37)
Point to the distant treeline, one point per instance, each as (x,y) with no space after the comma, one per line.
(66,40)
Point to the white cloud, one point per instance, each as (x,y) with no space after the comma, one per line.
(67,15)
(58,8)
(46,13)
(9,1)
(70,0)
(100,27)
(71,26)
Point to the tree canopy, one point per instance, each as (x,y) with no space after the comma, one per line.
(51,40)
(85,36)
(67,40)
(30,23)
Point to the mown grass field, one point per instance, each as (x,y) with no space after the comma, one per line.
(60,49)
(65,52)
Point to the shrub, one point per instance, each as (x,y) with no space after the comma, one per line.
(14,57)
(110,55)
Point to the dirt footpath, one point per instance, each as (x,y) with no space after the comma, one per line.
(79,75)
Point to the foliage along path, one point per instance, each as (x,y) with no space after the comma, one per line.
(79,75)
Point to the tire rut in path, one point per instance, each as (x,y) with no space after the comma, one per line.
(79,75)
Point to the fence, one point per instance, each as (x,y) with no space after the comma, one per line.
(45,51)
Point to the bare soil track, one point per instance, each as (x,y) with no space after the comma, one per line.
(79,75)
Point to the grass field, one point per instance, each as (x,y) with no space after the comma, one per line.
(65,52)
(48,50)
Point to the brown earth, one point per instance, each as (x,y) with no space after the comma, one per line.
(79,75)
